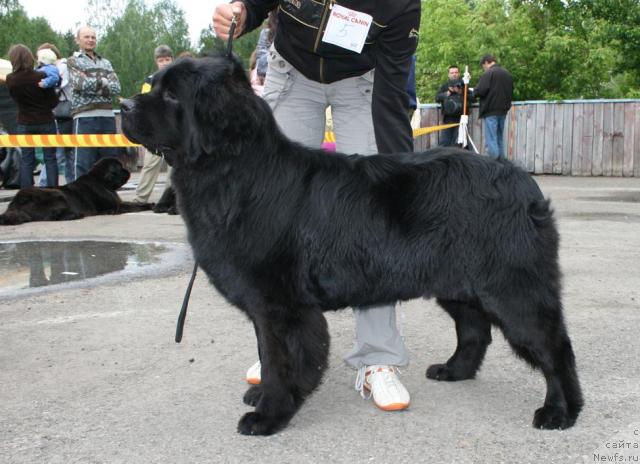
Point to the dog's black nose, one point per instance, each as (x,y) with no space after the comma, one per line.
(126,104)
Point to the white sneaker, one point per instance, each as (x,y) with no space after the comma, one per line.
(253,374)
(384,386)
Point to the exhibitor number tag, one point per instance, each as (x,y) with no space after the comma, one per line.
(347,28)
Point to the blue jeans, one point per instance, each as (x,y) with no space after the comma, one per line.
(28,158)
(64,156)
(448,137)
(87,157)
(494,136)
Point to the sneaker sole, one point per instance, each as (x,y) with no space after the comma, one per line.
(393,406)
(254,381)
(389,407)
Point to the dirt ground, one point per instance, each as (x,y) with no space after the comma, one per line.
(90,372)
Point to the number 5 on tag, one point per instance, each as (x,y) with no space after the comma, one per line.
(347,28)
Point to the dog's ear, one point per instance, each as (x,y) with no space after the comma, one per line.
(219,118)
(114,175)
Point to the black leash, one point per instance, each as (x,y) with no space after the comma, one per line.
(232,30)
(185,302)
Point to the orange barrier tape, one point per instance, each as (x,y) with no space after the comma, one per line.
(428,130)
(119,140)
(66,140)
(329,137)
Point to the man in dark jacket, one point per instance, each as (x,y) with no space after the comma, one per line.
(495,89)
(450,95)
(324,54)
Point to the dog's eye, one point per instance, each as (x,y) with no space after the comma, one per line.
(170,96)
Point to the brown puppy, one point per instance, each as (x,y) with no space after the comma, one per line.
(90,195)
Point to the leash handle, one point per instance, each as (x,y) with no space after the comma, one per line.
(232,31)
(185,303)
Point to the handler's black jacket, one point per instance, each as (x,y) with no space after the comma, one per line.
(390,44)
(495,89)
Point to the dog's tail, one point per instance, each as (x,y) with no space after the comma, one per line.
(12,217)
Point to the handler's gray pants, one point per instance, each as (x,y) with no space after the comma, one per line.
(299,106)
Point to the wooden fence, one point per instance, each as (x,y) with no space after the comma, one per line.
(576,137)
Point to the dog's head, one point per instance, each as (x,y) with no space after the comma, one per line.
(110,173)
(197,106)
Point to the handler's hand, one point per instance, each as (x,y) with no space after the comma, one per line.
(222,19)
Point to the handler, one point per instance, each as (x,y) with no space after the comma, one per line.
(324,54)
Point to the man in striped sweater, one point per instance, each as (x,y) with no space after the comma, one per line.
(94,85)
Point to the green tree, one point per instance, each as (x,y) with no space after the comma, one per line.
(555,49)
(17,27)
(101,14)
(68,43)
(444,41)
(208,42)
(243,46)
(130,41)
(8,5)
(619,28)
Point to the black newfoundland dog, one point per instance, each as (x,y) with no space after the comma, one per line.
(285,232)
(91,194)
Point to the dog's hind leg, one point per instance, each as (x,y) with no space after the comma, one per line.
(293,351)
(474,336)
(537,333)
(254,392)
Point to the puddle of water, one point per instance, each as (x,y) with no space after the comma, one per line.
(29,265)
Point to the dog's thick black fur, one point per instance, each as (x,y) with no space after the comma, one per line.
(91,194)
(285,232)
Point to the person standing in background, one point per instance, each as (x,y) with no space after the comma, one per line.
(62,114)
(495,89)
(450,97)
(35,112)
(94,85)
(163,57)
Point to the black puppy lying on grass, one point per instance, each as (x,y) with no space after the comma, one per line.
(285,232)
(91,194)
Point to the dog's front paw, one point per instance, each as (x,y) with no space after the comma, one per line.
(254,423)
(252,395)
(440,372)
(449,373)
(172,211)
(551,418)
(160,208)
